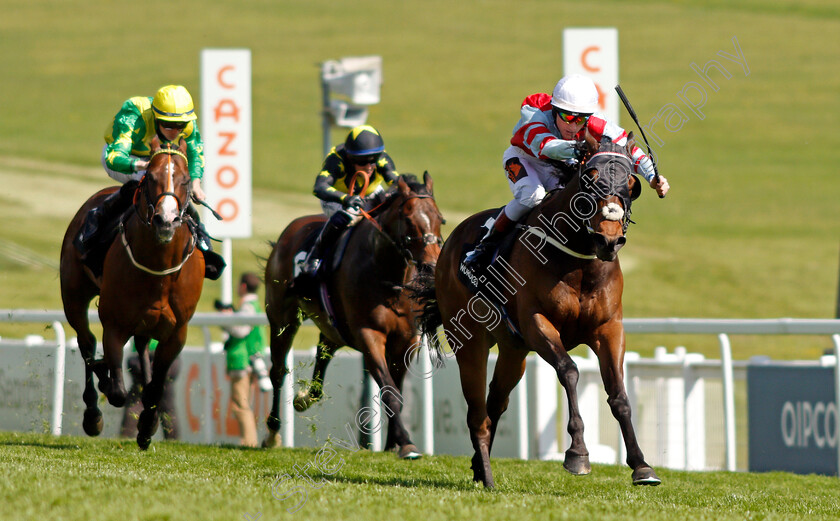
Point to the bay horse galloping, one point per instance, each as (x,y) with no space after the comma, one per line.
(558,286)
(149,288)
(371,312)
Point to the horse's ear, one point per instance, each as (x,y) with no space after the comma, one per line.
(592,144)
(427,180)
(403,187)
(155,143)
(631,143)
(635,187)
(182,145)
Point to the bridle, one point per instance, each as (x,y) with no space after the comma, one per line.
(151,203)
(404,242)
(143,188)
(611,165)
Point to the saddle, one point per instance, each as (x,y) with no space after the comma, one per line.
(488,283)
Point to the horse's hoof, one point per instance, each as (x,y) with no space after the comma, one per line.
(410,452)
(577,464)
(272,440)
(143,441)
(92,422)
(302,401)
(117,399)
(645,476)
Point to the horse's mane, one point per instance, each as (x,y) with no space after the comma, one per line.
(415,185)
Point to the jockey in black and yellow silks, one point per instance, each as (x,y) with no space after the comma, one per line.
(355,175)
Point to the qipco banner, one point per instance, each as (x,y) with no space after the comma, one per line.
(594,53)
(793,420)
(226,128)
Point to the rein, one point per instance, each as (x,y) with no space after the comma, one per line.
(190,246)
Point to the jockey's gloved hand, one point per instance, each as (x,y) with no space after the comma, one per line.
(353,201)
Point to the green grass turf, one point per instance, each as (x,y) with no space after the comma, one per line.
(750,227)
(70,478)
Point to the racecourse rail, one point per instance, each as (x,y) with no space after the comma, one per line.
(720,327)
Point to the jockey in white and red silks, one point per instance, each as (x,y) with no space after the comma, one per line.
(544,153)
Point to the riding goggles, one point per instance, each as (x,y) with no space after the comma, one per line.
(571,117)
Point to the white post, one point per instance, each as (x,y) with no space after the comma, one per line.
(428,397)
(374,404)
(227,274)
(522,402)
(58,379)
(207,384)
(836,339)
(694,414)
(546,405)
(728,399)
(288,401)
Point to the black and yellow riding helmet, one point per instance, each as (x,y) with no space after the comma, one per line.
(364,140)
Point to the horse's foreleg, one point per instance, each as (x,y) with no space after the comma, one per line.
(281,336)
(547,343)
(610,350)
(398,369)
(306,397)
(389,395)
(141,344)
(113,342)
(165,355)
(510,367)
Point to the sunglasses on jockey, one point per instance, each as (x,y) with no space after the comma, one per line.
(173,125)
(365,159)
(571,117)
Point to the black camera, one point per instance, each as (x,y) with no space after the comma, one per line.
(221,306)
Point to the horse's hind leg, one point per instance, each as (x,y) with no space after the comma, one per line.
(610,356)
(283,325)
(510,366)
(472,365)
(306,397)
(76,312)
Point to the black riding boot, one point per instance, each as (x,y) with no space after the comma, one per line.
(99,218)
(329,233)
(478,259)
(214,263)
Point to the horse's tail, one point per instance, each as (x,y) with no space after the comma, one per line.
(422,290)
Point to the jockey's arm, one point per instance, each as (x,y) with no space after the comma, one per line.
(388,170)
(324,190)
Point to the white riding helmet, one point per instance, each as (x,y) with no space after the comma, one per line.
(575,93)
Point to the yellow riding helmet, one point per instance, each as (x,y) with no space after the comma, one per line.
(173,103)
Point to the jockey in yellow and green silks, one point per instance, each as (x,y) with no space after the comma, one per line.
(170,115)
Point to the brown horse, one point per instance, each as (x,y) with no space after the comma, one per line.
(149,288)
(372,312)
(558,286)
